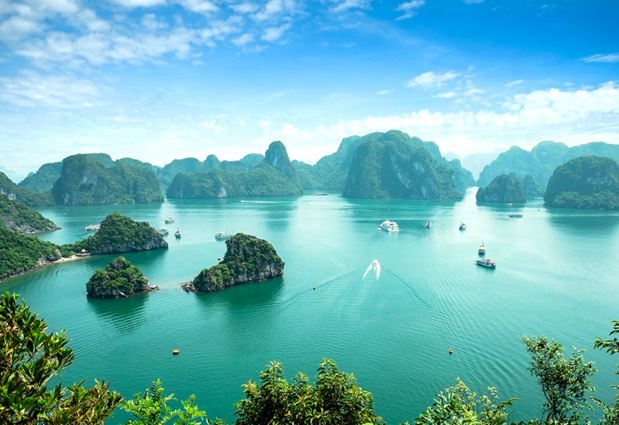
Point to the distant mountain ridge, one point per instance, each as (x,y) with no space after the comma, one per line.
(542,160)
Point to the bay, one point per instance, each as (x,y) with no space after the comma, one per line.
(556,275)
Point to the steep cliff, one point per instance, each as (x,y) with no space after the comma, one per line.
(248,259)
(392,165)
(87,181)
(119,234)
(23,195)
(588,182)
(119,279)
(503,188)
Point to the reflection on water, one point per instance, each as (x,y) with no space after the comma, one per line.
(124,314)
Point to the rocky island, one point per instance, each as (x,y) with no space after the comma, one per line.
(119,234)
(119,279)
(248,259)
(503,188)
(588,182)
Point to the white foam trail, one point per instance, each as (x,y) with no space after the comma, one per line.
(376,266)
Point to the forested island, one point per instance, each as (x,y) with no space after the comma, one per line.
(248,259)
(588,182)
(503,188)
(119,279)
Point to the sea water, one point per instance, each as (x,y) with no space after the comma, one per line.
(557,275)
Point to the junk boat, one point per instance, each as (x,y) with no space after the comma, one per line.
(223,235)
(93,227)
(486,263)
(169,220)
(163,231)
(389,226)
(482,249)
(516,215)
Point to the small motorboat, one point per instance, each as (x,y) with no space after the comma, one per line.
(169,220)
(462,226)
(486,263)
(428,224)
(177,233)
(482,249)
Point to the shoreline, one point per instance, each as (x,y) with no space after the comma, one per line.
(44,264)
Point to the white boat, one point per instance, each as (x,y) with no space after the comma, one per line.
(169,220)
(389,226)
(163,231)
(482,249)
(223,235)
(462,226)
(428,224)
(93,227)
(516,215)
(177,233)
(486,263)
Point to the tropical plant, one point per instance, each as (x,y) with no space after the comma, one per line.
(564,382)
(611,412)
(29,359)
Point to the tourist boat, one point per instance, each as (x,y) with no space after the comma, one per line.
(516,215)
(389,226)
(428,224)
(177,233)
(93,227)
(462,226)
(482,249)
(163,231)
(223,235)
(486,263)
(169,220)
(320,194)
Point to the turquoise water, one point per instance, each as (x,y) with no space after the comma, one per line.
(556,275)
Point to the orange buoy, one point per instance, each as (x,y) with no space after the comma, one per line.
(175,351)
(451,351)
(314,288)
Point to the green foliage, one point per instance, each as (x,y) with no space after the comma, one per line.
(460,405)
(588,182)
(151,408)
(43,180)
(18,217)
(564,382)
(29,358)
(23,195)
(611,412)
(334,399)
(86,181)
(503,188)
(119,234)
(118,277)
(20,253)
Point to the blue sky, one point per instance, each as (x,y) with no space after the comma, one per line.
(163,79)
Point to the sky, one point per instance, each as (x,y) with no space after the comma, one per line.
(158,80)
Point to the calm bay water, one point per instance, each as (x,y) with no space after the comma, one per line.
(557,275)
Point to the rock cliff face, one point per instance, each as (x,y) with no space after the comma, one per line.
(21,219)
(392,165)
(588,182)
(504,189)
(119,234)
(86,181)
(248,259)
(119,279)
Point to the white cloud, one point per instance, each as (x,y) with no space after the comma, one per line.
(429,80)
(245,8)
(609,58)
(275,33)
(344,5)
(199,6)
(274,9)
(385,92)
(473,1)
(514,83)
(243,40)
(409,8)
(139,3)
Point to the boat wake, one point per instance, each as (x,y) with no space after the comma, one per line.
(374,266)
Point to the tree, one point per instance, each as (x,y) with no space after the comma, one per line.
(611,412)
(29,358)
(460,405)
(335,399)
(152,408)
(564,382)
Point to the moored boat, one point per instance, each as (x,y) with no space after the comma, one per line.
(169,220)
(482,249)
(93,227)
(516,215)
(428,224)
(163,231)
(486,263)
(462,226)
(223,235)
(177,233)
(390,226)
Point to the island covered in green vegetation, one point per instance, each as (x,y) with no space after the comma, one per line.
(588,182)
(119,279)
(503,188)
(248,259)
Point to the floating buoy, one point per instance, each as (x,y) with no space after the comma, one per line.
(451,351)
(283,245)
(314,288)
(219,259)
(175,351)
